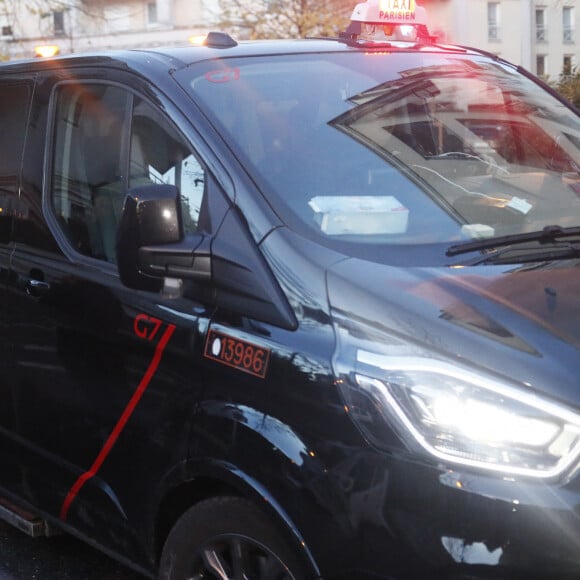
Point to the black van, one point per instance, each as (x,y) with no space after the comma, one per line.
(293,310)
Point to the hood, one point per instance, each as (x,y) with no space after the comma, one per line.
(521,323)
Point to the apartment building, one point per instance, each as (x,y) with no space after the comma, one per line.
(81,25)
(539,35)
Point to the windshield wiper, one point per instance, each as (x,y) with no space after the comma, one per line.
(547,235)
(523,254)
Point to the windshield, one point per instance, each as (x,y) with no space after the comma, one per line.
(412,150)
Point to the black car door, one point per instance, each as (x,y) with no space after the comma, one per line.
(105,378)
(15,99)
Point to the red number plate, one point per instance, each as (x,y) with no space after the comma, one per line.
(236,353)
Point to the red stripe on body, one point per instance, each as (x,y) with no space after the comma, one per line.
(121,423)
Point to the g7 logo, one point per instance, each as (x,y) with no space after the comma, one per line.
(146,327)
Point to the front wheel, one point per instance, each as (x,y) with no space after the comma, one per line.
(227,538)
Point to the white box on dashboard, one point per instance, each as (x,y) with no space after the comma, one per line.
(359,214)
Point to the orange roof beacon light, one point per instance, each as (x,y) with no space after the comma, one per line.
(198,39)
(388,21)
(46,51)
(214,40)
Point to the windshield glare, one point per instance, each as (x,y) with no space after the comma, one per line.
(406,149)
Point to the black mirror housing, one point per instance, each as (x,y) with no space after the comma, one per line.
(151,217)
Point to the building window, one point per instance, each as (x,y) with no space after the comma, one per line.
(567,65)
(152,13)
(568,24)
(541,68)
(5,27)
(493,30)
(58,23)
(541,27)
(117,17)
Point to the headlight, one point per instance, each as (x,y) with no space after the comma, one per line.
(461,417)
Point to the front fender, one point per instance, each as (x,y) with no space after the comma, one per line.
(261,457)
(304,482)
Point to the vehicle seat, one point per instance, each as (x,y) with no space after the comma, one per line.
(105,182)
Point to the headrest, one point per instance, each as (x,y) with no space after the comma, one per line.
(102,160)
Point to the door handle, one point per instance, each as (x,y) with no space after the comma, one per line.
(36,288)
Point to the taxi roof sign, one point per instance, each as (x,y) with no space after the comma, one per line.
(389,12)
(379,23)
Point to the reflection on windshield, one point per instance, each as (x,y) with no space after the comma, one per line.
(495,147)
(407,149)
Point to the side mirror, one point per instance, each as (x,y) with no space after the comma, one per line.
(151,217)
(227,268)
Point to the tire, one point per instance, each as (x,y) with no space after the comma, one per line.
(227,538)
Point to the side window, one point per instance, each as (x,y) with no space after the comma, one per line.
(159,155)
(88,184)
(14,107)
(107,141)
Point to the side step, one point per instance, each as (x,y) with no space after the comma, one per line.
(27,522)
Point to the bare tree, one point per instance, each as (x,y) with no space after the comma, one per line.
(285,18)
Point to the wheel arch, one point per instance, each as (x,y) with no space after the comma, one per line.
(205,480)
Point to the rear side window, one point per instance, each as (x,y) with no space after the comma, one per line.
(15,103)
(107,140)
(14,107)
